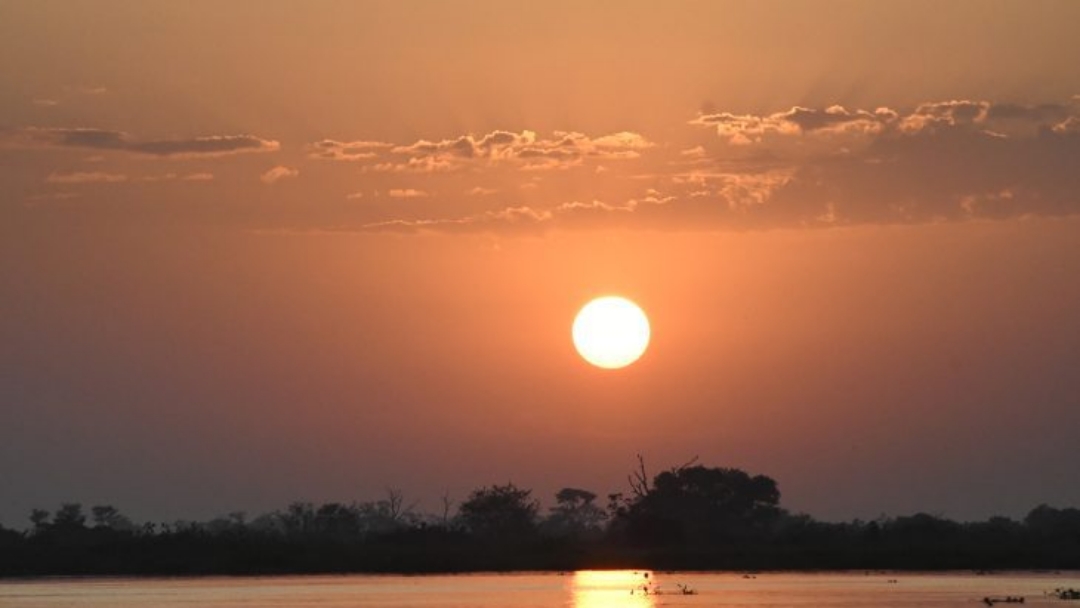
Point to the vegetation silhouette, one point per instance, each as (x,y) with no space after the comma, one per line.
(689,517)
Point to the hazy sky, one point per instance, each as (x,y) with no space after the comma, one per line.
(257,252)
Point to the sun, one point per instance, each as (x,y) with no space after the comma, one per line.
(611,332)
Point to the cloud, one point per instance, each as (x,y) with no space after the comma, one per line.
(800,122)
(523,150)
(944,160)
(480,191)
(951,160)
(92,177)
(1045,112)
(695,152)
(329,149)
(746,129)
(278,173)
(218,145)
(169,177)
(34,200)
(416,165)
(1069,126)
(407,193)
(945,114)
(101,177)
(102,139)
(46,103)
(522,219)
(737,191)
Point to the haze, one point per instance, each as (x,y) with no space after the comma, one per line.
(258,252)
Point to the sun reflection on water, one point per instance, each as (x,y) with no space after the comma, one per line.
(613,589)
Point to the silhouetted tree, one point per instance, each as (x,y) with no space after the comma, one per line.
(1048,522)
(387,515)
(108,516)
(690,516)
(575,514)
(924,529)
(336,520)
(233,523)
(9,537)
(69,516)
(297,519)
(500,511)
(703,504)
(40,519)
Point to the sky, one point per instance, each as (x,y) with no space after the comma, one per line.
(260,252)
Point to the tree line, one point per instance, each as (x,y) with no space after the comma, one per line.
(688,517)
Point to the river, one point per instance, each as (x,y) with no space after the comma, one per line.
(585,589)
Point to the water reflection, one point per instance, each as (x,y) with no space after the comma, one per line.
(613,589)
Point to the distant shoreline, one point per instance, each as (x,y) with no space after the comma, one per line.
(736,573)
(689,518)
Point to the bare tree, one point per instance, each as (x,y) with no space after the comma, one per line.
(395,506)
(393,503)
(639,480)
(447,505)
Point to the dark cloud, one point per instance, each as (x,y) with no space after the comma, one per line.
(102,139)
(947,160)
(943,174)
(205,146)
(81,138)
(1047,112)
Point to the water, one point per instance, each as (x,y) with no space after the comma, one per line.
(588,589)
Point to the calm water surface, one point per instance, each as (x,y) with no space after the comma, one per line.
(590,589)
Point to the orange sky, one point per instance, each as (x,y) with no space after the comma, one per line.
(260,252)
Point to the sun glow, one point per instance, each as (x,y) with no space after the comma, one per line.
(613,589)
(611,332)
